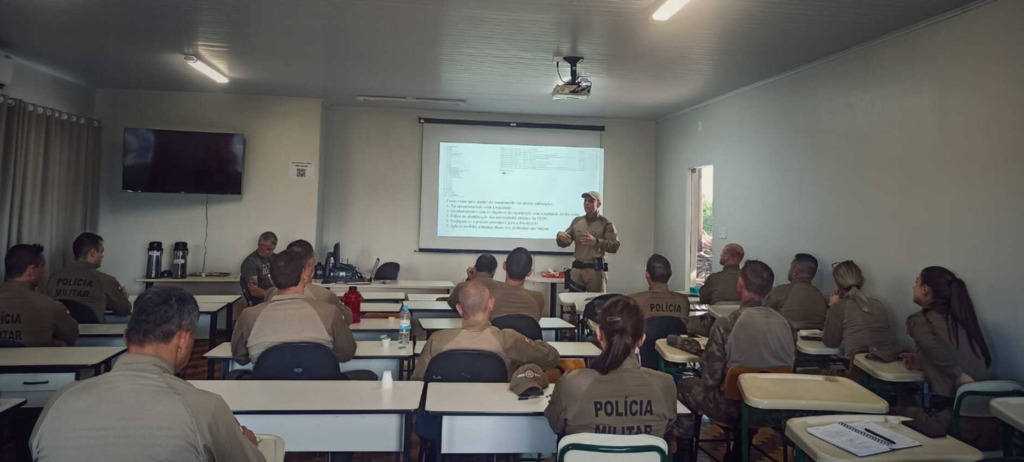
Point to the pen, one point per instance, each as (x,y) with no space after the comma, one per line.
(891,442)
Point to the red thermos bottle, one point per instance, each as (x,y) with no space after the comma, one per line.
(353,300)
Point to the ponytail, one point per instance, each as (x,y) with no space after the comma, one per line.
(622,326)
(951,300)
(849,279)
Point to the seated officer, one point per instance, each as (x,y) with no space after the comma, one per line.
(84,283)
(512,297)
(719,287)
(615,395)
(753,336)
(26,316)
(800,302)
(475,306)
(140,411)
(482,272)
(291,317)
(313,291)
(658,300)
(256,266)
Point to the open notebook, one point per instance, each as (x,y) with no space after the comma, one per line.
(862,438)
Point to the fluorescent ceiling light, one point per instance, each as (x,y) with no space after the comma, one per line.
(667,9)
(205,69)
(411,99)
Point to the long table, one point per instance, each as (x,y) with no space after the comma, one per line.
(35,373)
(210,307)
(229,279)
(370,355)
(548,326)
(402,285)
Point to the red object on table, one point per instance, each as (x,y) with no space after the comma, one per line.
(353,300)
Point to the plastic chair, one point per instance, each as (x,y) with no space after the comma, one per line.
(658,327)
(81,312)
(249,300)
(590,313)
(271,446)
(298,361)
(972,399)
(520,323)
(387,272)
(594,447)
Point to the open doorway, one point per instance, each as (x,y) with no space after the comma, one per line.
(701,223)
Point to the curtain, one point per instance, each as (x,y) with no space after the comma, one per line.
(49,178)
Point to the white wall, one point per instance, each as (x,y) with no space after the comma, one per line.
(899,156)
(38,86)
(277,130)
(371,192)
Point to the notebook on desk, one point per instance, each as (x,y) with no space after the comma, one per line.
(862,438)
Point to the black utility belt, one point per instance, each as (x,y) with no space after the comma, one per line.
(598,264)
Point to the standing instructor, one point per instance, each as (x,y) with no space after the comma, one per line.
(594,235)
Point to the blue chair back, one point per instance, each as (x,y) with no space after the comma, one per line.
(298,361)
(520,323)
(81,312)
(658,327)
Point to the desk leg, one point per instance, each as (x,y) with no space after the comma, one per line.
(228,324)
(209,369)
(407,442)
(744,434)
(553,299)
(149,285)
(213,330)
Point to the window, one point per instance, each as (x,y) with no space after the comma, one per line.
(701,222)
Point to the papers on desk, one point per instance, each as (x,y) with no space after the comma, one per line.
(862,438)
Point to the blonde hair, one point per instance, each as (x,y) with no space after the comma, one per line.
(850,279)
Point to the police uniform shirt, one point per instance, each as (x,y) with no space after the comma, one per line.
(943,357)
(517,300)
(257,269)
(601,228)
(139,411)
(486,279)
(83,283)
(512,346)
(320,294)
(764,339)
(799,302)
(33,319)
(660,301)
(291,319)
(629,400)
(721,286)
(855,330)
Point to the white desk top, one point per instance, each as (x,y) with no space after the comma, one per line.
(945,449)
(370,324)
(395,285)
(57,356)
(804,392)
(675,355)
(427,305)
(430,297)
(544,280)
(889,372)
(456,323)
(314,396)
(364,350)
(722,310)
(815,347)
(377,296)
(489,398)
(576,349)
(7,404)
(376,307)
(211,307)
(101,330)
(229,278)
(222,299)
(571,298)
(1009,410)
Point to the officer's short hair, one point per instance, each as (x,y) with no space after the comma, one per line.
(806,264)
(20,257)
(486,263)
(302,246)
(518,263)
(473,298)
(268,236)
(159,314)
(85,243)
(659,268)
(758,277)
(286,268)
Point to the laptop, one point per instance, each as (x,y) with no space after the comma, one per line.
(369,280)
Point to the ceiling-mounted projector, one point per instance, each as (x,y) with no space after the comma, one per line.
(577,87)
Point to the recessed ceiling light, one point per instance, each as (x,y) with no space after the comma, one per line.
(411,99)
(205,69)
(667,9)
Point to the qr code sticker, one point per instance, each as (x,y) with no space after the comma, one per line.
(300,173)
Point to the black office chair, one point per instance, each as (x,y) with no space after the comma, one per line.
(520,323)
(590,312)
(454,366)
(658,327)
(10,344)
(249,299)
(387,272)
(81,312)
(298,361)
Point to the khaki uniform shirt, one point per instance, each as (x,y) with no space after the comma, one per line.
(601,228)
(83,283)
(512,346)
(942,358)
(799,302)
(721,286)
(33,319)
(291,319)
(257,269)
(517,300)
(481,278)
(139,412)
(761,338)
(629,400)
(850,328)
(320,294)
(660,301)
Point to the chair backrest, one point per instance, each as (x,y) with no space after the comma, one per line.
(591,310)
(249,300)
(80,312)
(972,399)
(10,344)
(595,447)
(466,366)
(658,327)
(271,446)
(520,323)
(387,272)
(732,378)
(298,361)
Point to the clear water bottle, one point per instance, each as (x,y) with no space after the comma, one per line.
(404,327)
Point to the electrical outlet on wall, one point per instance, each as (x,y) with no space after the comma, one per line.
(722,234)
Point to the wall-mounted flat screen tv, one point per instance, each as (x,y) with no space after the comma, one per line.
(171,161)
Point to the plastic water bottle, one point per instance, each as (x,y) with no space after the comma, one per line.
(404,327)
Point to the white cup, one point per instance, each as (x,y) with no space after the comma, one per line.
(386,382)
(386,342)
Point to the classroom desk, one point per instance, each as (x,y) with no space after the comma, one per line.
(552,288)
(675,355)
(372,297)
(573,299)
(371,329)
(429,297)
(770,399)
(572,350)
(210,307)
(548,326)
(888,372)
(947,449)
(370,355)
(7,404)
(321,416)
(475,412)
(419,309)
(1011,412)
(722,310)
(111,335)
(815,348)
(35,373)
(229,279)
(401,285)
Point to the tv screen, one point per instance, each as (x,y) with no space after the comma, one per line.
(169,161)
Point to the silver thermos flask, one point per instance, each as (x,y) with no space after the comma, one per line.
(154,262)
(179,266)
